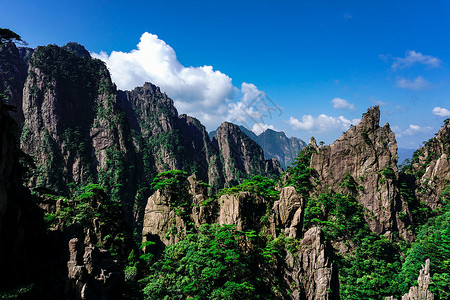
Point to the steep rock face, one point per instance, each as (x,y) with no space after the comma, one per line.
(421,291)
(367,156)
(278,146)
(431,165)
(74,128)
(310,271)
(92,272)
(152,117)
(200,155)
(165,223)
(288,212)
(241,156)
(13,71)
(243,209)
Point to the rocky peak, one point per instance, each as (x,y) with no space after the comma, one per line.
(76,49)
(371,119)
(367,155)
(431,167)
(241,156)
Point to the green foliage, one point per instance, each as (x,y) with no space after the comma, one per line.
(300,172)
(208,265)
(366,137)
(170,180)
(258,185)
(432,242)
(388,173)
(175,182)
(7,35)
(370,270)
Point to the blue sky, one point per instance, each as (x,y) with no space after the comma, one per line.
(309,68)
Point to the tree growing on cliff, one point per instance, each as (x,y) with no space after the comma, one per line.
(7,35)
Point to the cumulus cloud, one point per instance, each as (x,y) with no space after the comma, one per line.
(203,92)
(419,83)
(259,128)
(322,123)
(412,57)
(441,112)
(412,130)
(339,103)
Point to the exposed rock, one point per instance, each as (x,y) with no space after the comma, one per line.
(288,212)
(310,272)
(92,273)
(20,220)
(366,155)
(241,156)
(420,292)
(277,145)
(432,166)
(165,223)
(242,209)
(161,223)
(73,127)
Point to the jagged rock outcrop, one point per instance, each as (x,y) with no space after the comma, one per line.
(74,127)
(241,156)
(367,156)
(431,167)
(165,222)
(288,212)
(275,144)
(92,273)
(310,272)
(243,209)
(420,292)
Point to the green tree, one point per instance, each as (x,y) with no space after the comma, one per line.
(209,264)
(7,35)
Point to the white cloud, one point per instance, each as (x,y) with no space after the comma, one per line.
(417,84)
(411,130)
(412,57)
(259,128)
(441,112)
(202,92)
(339,103)
(322,123)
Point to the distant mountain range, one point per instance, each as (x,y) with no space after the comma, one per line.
(275,144)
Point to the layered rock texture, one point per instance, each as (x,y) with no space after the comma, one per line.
(241,156)
(430,166)
(275,144)
(367,156)
(311,271)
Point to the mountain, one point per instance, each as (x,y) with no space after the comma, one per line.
(275,144)
(109,194)
(278,146)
